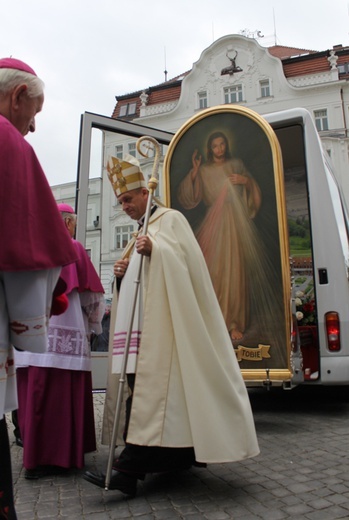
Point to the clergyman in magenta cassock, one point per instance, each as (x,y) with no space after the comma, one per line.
(32,253)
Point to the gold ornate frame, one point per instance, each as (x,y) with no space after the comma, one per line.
(255,138)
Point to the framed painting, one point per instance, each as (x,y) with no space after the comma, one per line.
(223,171)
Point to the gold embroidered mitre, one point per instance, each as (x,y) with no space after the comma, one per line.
(124,176)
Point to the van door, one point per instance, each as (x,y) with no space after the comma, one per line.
(291,139)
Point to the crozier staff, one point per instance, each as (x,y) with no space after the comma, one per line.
(144,145)
(181,367)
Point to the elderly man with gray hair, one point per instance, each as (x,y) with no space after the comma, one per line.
(32,253)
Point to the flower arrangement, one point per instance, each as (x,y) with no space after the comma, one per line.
(305,308)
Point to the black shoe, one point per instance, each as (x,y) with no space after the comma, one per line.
(120,481)
(197,464)
(35,473)
(19,442)
(43,471)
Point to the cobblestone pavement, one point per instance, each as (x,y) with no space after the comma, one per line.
(301,473)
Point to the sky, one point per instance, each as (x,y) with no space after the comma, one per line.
(89,52)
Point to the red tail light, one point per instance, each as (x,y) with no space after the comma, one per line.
(333,331)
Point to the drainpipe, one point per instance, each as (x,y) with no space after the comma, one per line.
(344,114)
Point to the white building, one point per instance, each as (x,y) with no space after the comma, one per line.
(67,193)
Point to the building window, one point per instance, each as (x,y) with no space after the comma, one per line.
(343,68)
(119,151)
(264,86)
(202,99)
(122,236)
(321,120)
(233,94)
(132,149)
(128,109)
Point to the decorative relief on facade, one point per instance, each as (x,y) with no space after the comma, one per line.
(307,81)
(251,60)
(233,68)
(144,98)
(333,60)
(265,100)
(154,110)
(211,70)
(121,218)
(249,63)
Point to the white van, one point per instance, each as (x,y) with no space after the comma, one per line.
(316,210)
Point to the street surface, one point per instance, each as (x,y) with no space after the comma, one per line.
(302,472)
